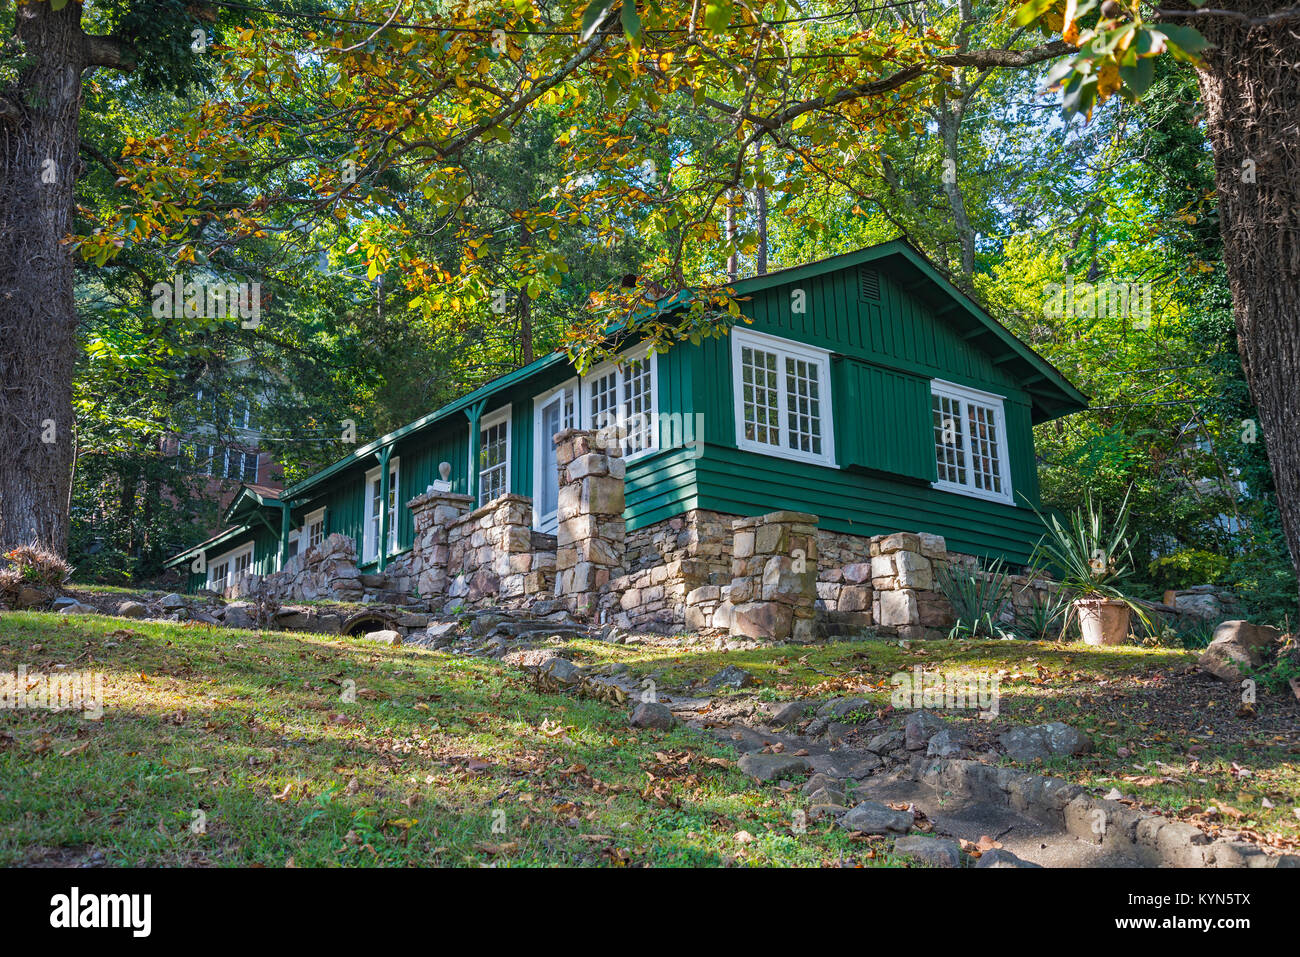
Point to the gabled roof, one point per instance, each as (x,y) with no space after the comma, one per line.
(1052,393)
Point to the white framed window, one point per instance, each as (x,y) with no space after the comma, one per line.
(218,574)
(970,442)
(225,570)
(374,508)
(294,539)
(313,528)
(553,412)
(624,395)
(782,397)
(493,456)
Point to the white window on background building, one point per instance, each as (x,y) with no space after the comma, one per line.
(970,442)
(494,456)
(374,508)
(782,397)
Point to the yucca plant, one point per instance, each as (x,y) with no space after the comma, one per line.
(976,599)
(1090,556)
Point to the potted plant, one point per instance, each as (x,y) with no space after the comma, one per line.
(1092,560)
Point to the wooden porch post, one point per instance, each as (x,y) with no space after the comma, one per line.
(474,413)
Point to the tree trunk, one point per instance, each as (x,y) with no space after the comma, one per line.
(38,317)
(1250,85)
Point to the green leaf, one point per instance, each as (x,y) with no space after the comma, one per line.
(592,18)
(631,22)
(1138,77)
(1187,39)
(59,5)
(717,14)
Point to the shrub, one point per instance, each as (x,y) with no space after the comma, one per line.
(35,566)
(976,599)
(1188,567)
(1277,674)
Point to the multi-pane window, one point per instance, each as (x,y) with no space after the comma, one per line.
(315,528)
(638,407)
(970,441)
(375,509)
(603,401)
(242,564)
(803,406)
(250,466)
(782,397)
(494,460)
(220,571)
(621,398)
(761,405)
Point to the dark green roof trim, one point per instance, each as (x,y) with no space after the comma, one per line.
(1059,397)
(218,539)
(482,392)
(247,502)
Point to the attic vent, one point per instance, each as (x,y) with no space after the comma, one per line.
(868,284)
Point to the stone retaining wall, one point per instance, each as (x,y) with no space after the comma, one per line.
(676,571)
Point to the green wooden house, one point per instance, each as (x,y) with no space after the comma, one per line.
(863,388)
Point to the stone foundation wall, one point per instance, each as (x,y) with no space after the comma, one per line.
(773,590)
(492,560)
(676,571)
(328,570)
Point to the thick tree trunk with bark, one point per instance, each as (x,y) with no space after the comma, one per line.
(1250,85)
(38,318)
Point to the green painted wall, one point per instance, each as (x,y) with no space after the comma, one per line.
(885,352)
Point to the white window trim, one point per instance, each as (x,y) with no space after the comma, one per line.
(634,354)
(307,523)
(502,414)
(230,557)
(369,547)
(798,350)
(965,394)
(573,386)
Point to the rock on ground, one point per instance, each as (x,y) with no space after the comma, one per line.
(772,767)
(873,817)
(730,677)
(998,857)
(131,609)
(919,728)
(1043,741)
(935,851)
(386,637)
(649,714)
(1237,647)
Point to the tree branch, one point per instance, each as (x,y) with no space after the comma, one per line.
(107,51)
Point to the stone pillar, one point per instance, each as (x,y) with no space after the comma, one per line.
(773,590)
(907,599)
(433,513)
(591,533)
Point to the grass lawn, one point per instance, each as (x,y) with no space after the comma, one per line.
(437,760)
(1167,736)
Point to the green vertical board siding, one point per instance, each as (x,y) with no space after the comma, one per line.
(882,419)
(885,351)
(884,354)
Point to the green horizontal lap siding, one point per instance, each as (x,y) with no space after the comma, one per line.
(882,420)
(885,353)
(748,483)
(662,484)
